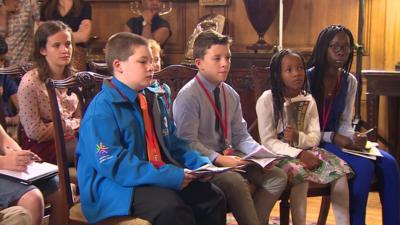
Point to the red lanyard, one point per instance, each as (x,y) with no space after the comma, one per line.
(224,124)
(119,91)
(148,136)
(326,113)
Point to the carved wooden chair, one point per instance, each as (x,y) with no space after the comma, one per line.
(99,67)
(16,72)
(85,85)
(250,84)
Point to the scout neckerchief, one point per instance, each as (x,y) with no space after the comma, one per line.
(224,123)
(153,150)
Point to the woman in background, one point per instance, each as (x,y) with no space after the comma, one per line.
(77,14)
(52,58)
(150,24)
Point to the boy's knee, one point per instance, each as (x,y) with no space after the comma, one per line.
(233,182)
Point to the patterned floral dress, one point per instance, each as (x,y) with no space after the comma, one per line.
(300,112)
(331,168)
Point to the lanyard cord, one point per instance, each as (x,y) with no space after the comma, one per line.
(224,124)
(326,112)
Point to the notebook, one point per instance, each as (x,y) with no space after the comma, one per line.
(35,172)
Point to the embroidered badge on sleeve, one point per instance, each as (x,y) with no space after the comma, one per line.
(102,152)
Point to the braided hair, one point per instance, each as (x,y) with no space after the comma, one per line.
(277,85)
(319,60)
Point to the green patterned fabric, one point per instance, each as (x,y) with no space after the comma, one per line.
(332,168)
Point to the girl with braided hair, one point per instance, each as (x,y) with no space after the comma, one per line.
(288,125)
(334,89)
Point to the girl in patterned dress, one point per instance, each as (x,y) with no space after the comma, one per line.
(288,125)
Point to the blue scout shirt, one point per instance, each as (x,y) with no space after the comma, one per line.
(112,157)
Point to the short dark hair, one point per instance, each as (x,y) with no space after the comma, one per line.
(3,46)
(121,45)
(206,39)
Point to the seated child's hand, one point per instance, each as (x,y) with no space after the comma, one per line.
(290,134)
(17,160)
(231,161)
(359,141)
(309,160)
(187,179)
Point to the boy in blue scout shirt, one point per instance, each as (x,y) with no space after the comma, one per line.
(126,167)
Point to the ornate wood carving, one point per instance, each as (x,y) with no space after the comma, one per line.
(384,83)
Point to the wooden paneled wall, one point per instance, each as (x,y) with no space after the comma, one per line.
(303,20)
(383,46)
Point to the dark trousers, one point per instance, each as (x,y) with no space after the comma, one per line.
(200,203)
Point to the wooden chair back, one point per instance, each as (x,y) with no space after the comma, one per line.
(175,76)
(85,85)
(249,84)
(16,72)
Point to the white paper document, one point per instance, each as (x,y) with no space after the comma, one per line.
(262,156)
(370,152)
(34,172)
(209,169)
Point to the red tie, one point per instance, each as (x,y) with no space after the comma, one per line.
(153,150)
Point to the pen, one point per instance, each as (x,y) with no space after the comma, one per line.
(368,131)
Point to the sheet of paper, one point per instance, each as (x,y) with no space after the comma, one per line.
(209,169)
(357,153)
(262,152)
(371,151)
(34,171)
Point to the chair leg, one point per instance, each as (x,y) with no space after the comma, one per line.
(324,210)
(284,210)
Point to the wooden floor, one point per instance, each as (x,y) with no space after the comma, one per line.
(374,213)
